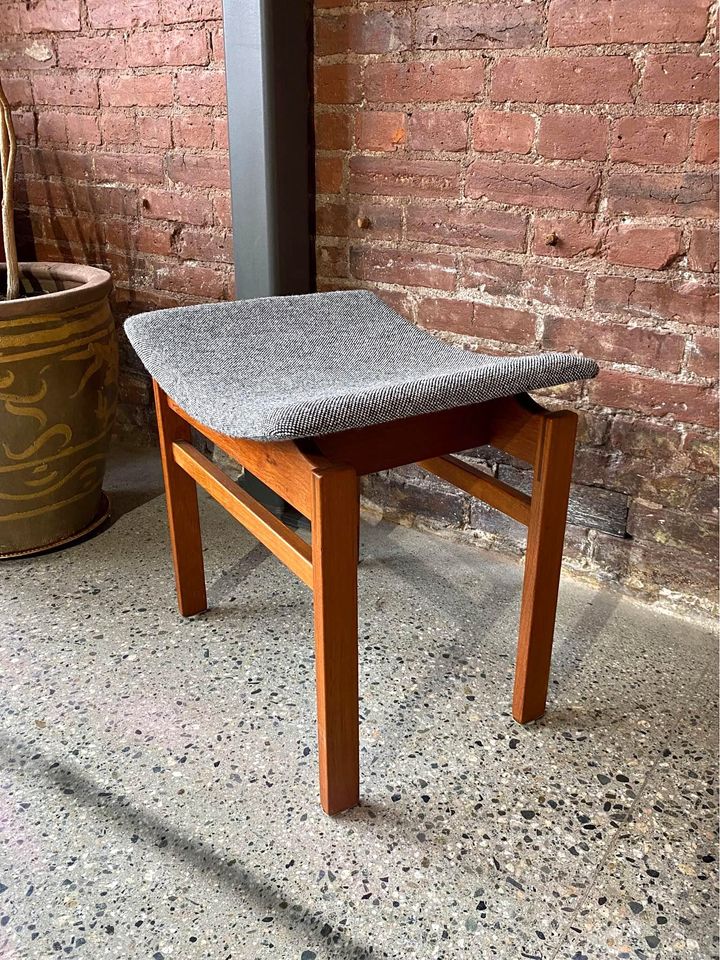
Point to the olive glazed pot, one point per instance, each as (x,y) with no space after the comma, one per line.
(58,393)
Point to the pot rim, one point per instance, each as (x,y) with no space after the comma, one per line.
(93,284)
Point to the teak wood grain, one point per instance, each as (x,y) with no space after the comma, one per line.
(319,477)
(543,559)
(492,491)
(182,510)
(280,465)
(287,546)
(335,540)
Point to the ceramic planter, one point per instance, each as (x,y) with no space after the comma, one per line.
(58,393)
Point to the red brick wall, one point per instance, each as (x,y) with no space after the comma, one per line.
(513,175)
(120,107)
(541,175)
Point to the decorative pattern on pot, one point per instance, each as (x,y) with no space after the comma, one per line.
(58,394)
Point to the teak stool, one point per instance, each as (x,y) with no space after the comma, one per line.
(310,394)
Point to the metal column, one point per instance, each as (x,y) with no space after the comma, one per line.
(268,46)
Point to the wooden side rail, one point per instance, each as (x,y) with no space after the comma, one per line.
(280,465)
(492,491)
(257,520)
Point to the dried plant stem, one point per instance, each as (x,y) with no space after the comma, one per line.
(8,148)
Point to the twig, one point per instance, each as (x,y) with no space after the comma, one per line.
(8,149)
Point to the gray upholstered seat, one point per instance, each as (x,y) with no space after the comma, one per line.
(288,367)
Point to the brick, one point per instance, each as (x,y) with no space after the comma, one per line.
(18,91)
(655,442)
(409,269)
(24,55)
(190,11)
(24,123)
(533,283)
(208,245)
(617,342)
(331,259)
(49,16)
(195,170)
(665,483)
(171,48)
(533,185)
(705,149)
(685,402)
(380,130)
(150,240)
(659,194)
(570,238)
(477,320)
(589,506)
(579,22)
(118,127)
(82,129)
(418,82)
(703,253)
(563,80)
(399,500)
(76,90)
(193,129)
(329,174)
(437,130)
(475,26)
(108,14)
(180,208)
(91,52)
(220,131)
(680,78)
(443,314)
(645,140)
(573,136)
(466,226)
(154,131)
(207,283)
(133,90)
(650,247)
(503,324)
(52,127)
(702,451)
(201,88)
(657,569)
(333,131)
(651,521)
(140,168)
(502,131)
(703,357)
(686,301)
(365,219)
(403,178)
(337,83)
(222,210)
(82,198)
(217,46)
(372,31)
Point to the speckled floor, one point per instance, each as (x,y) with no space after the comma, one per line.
(157,776)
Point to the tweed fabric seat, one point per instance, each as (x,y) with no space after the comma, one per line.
(282,368)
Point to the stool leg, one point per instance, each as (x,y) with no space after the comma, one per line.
(182,510)
(546,533)
(335,534)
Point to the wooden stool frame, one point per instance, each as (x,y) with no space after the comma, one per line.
(320,478)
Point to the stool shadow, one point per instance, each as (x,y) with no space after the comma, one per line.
(163,833)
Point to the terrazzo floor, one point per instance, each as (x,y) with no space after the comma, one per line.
(158,790)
